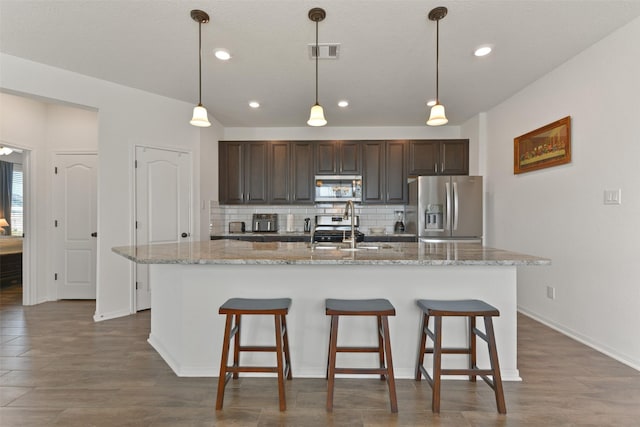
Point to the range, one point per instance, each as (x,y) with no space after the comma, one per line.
(335,228)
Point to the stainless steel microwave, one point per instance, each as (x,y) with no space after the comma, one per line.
(338,188)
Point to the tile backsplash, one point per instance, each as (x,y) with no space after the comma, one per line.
(370,215)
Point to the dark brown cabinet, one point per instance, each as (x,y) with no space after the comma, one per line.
(265,172)
(242,172)
(338,158)
(396,172)
(439,157)
(384,172)
(302,172)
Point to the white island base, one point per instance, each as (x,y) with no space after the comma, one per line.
(187,330)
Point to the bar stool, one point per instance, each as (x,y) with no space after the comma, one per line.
(235,308)
(461,308)
(381,308)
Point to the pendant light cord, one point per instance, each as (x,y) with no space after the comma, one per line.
(317,54)
(200,63)
(437,60)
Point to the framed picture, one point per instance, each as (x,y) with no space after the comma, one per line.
(547,146)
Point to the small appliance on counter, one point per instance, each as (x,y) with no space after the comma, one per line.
(307,225)
(236,227)
(334,228)
(264,223)
(398,227)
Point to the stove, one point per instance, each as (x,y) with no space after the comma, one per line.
(334,228)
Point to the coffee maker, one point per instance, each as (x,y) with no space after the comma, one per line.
(398,227)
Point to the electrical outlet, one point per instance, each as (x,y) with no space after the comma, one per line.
(551,292)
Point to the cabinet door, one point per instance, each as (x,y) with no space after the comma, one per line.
(396,172)
(373,172)
(454,157)
(279,173)
(231,173)
(255,163)
(349,154)
(326,158)
(424,156)
(302,172)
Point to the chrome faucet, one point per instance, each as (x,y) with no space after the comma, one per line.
(350,208)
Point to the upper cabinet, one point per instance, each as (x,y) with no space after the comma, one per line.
(338,158)
(439,157)
(242,172)
(384,173)
(265,172)
(282,172)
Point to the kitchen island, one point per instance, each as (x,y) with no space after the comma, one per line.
(190,281)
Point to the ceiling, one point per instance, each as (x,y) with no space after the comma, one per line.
(386,65)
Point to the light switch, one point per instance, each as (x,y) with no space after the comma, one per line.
(613,197)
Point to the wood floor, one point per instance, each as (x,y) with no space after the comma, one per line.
(59,368)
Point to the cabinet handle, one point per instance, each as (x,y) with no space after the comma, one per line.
(442,168)
(435,168)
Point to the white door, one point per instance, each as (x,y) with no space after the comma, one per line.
(163,206)
(75,225)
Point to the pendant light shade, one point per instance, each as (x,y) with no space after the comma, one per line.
(316,117)
(437,116)
(200,117)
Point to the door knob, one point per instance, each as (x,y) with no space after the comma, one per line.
(94,234)
(184,235)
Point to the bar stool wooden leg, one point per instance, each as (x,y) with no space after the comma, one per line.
(331,371)
(287,357)
(280,368)
(223,378)
(422,347)
(381,347)
(472,347)
(437,363)
(495,366)
(390,377)
(236,345)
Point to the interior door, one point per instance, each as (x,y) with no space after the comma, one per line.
(163,206)
(75,225)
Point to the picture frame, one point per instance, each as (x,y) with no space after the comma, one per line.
(544,147)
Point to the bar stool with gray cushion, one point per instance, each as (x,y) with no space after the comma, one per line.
(465,308)
(381,308)
(234,309)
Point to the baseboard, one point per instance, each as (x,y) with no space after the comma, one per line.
(113,315)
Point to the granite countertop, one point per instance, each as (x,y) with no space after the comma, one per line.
(242,252)
(10,245)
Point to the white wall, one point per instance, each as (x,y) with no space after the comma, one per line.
(126,117)
(559,212)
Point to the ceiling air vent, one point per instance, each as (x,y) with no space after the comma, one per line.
(325,50)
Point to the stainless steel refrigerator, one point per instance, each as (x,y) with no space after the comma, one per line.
(445,208)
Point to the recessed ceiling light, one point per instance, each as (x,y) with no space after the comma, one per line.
(343,103)
(431,103)
(254,104)
(222,54)
(482,51)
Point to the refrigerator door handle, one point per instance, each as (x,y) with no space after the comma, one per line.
(455,205)
(447,215)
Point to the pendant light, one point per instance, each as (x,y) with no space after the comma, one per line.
(437,116)
(316,118)
(200,118)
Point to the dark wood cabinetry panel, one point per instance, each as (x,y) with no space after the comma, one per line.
(396,172)
(231,172)
(302,172)
(279,182)
(256,167)
(338,158)
(373,166)
(454,157)
(439,157)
